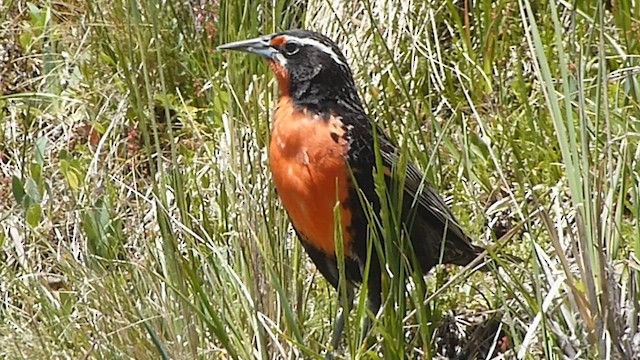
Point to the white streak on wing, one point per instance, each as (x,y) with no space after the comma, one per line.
(324,48)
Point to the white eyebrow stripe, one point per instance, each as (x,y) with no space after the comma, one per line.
(324,48)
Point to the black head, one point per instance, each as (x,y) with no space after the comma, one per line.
(309,66)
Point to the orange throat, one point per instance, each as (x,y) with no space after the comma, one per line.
(308,161)
(282,75)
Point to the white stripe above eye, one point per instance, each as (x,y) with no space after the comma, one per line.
(317,44)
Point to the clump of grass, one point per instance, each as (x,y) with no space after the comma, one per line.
(138,220)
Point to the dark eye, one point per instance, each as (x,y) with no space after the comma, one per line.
(291,48)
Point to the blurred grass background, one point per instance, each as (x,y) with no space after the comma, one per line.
(139,220)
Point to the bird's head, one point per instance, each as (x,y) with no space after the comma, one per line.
(309,67)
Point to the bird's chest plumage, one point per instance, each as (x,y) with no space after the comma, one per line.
(307,155)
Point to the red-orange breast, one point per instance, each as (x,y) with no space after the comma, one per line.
(307,157)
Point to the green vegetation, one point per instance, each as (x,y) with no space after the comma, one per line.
(138,219)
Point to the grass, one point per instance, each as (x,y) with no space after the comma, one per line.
(139,220)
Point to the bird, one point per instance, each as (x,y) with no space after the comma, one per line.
(323,158)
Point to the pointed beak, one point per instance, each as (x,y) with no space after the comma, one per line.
(259,46)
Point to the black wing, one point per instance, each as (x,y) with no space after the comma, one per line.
(430,221)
